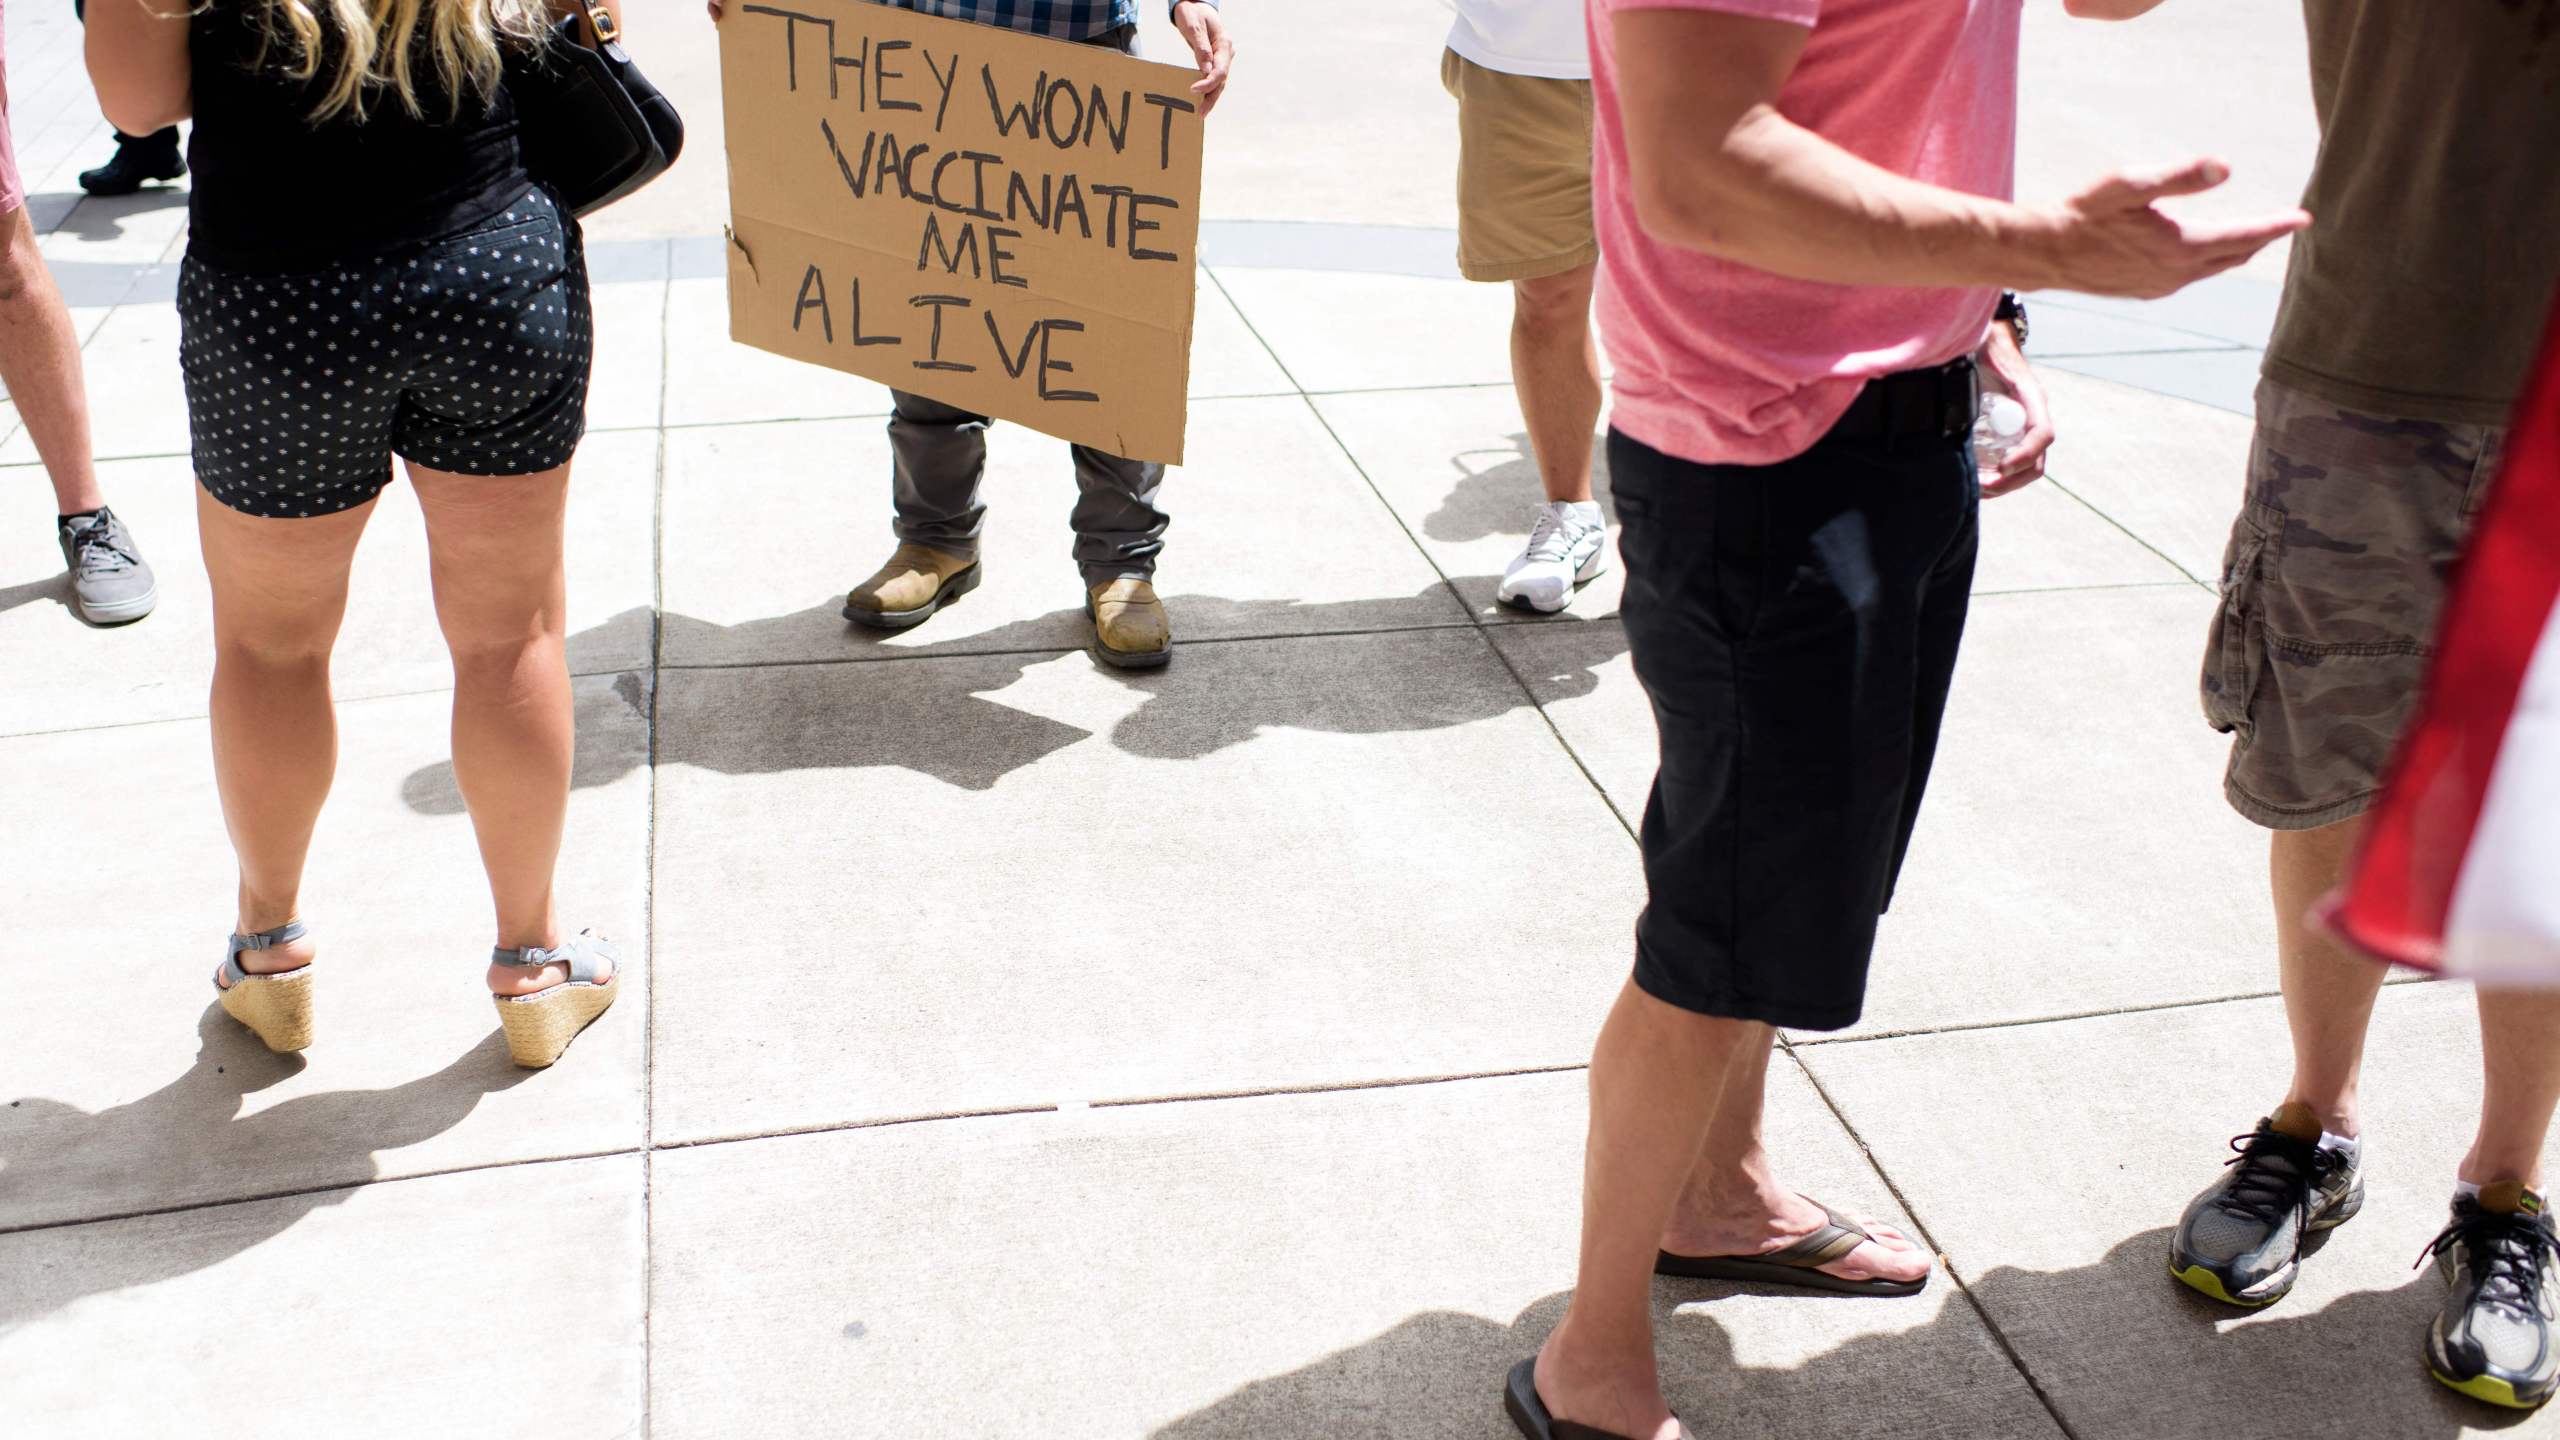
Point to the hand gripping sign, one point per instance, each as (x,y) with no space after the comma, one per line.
(998,221)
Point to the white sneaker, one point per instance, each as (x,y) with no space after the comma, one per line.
(1567,547)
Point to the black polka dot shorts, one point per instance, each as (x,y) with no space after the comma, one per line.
(469,355)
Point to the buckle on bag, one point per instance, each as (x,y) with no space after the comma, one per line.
(601,21)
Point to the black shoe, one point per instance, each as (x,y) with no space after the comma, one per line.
(2492,1339)
(138,161)
(2241,1240)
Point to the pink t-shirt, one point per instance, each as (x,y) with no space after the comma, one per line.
(1724,364)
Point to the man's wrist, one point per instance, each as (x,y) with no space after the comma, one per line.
(2026,246)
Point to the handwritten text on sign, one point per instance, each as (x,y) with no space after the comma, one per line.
(1002,222)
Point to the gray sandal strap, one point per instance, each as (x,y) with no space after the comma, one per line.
(285,934)
(581,952)
(1834,1240)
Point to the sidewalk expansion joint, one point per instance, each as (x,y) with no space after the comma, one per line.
(1483,629)
(322,1188)
(1334,1087)
(194,716)
(1187,641)
(1982,1311)
(1917,1032)
(2127,531)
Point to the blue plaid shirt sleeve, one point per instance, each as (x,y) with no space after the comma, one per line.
(1057,19)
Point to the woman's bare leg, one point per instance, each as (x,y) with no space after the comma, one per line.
(502,598)
(279,591)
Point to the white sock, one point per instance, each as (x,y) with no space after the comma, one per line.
(2465,1190)
(1586,511)
(2351,1146)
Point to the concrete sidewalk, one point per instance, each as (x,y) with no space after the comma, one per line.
(1019,1047)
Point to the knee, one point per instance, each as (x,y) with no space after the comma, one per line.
(500,650)
(1553,304)
(21,271)
(285,651)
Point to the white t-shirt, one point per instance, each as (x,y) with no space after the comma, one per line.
(1524,37)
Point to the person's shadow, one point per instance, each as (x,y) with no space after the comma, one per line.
(188,1139)
(931,713)
(56,588)
(2124,1352)
(1492,499)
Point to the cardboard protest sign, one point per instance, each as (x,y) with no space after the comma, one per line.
(999,221)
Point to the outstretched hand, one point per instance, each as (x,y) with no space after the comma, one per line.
(2112,239)
(1205,31)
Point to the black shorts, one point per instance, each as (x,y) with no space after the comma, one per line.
(467,355)
(1795,626)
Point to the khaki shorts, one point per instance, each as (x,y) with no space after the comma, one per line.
(2330,589)
(1524,172)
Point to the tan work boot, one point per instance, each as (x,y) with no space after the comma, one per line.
(1129,628)
(917,581)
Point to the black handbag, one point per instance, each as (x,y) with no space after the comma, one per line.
(590,125)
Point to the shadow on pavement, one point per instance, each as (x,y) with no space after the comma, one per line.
(931,712)
(2126,1353)
(90,218)
(56,588)
(1495,500)
(187,1139)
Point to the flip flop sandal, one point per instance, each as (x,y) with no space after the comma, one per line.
(540,1025)
(276,1008)
(1520,1399)
(1794,1265)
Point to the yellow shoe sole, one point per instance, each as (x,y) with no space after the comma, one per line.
(276,1008)
(2205,1282)
(2489,1388)
(541,1025)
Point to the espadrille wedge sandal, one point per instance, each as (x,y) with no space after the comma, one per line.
(277,1008)
(540,1025)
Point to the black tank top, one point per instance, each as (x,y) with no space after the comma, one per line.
(275,192)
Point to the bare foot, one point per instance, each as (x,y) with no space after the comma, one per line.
(275,960)
(1772,1221)
(518,980)
(1620,1400)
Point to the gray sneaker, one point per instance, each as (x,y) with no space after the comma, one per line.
(2241,1241)
(2493,1340)
(108,575)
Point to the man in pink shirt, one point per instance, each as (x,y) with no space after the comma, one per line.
(1804,227)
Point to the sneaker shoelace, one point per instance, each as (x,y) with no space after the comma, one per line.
(99,549)
(1552,539)
(2507,1252)
(2274,1174)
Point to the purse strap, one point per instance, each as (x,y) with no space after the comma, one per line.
(602,29)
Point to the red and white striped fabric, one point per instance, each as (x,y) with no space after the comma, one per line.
(2460,865)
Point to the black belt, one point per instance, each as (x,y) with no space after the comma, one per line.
(1914,406)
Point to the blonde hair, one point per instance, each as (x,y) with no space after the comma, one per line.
(375,47)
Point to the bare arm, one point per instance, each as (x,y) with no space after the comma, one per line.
(1715,167)
(137,54)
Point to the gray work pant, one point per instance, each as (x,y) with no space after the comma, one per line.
(940,455)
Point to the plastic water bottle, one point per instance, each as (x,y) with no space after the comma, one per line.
(1997,428)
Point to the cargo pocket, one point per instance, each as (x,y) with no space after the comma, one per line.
(2236,648)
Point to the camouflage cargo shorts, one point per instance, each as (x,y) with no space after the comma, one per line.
(2330,588)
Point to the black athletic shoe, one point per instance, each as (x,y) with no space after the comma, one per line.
(2492,1340)
(139,160)
(2241,1240)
